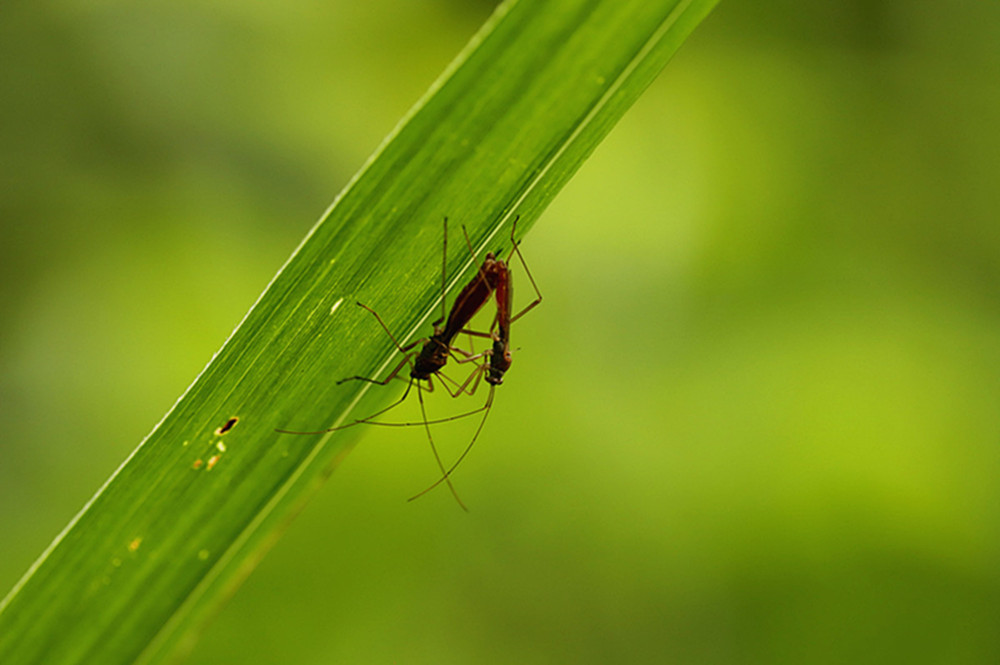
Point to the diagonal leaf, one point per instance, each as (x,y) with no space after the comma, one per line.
(194,507)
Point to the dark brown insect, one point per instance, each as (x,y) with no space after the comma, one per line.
(499,355)
(436,350)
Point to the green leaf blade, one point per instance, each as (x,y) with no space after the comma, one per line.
(187,515)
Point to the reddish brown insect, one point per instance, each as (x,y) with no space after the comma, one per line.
(499,354)
(434,354)
(492,278)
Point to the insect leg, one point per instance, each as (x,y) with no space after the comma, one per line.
(517,250)
(446,477)
(437,457)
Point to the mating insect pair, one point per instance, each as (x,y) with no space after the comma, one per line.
(492,279)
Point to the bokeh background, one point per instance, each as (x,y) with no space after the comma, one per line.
(755,419)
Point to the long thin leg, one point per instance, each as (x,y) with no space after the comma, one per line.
(392,406)
(369,421)
(360,421)
(479,333)
(445,380)
(444,274)
(466,355)
(475,259)
(516,249)
(446,477)
(476,375)
(460,388)
(400,347)
(437,457)
(384,382)
(429,422)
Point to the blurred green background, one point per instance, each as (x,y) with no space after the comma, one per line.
(754,421)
